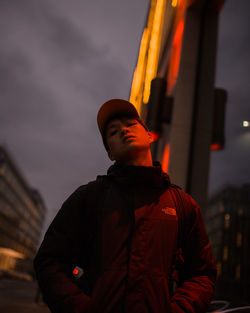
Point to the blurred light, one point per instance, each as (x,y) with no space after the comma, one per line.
(218,269)
(154,47)
(179,33)
(1,170)
(8,258)
(165,159)
(215,147)
(176,46)
(75,271)
(246,124)
(137,84)
(237,271)
(239,239)
(11,253)
(174,3)
(225,253)
(227,217)
(155,136)
(175,56)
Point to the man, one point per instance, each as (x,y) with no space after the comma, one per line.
(134,234)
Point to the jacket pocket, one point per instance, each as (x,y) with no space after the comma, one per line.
(157,296)
(108,290)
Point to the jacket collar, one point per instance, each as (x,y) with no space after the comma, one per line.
(152,176)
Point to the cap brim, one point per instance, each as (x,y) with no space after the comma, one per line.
(112,108)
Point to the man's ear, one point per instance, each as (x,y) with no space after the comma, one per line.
(151,138)
(110,155)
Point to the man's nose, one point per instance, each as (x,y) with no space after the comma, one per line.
(124,130)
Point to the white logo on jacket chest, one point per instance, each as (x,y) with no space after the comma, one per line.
(169,211)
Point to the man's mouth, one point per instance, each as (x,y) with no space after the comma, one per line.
(128,137)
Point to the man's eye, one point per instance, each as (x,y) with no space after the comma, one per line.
(112,133)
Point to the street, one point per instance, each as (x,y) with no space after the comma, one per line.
(17,296)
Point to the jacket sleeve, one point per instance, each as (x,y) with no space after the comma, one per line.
(57,257)
(198,269)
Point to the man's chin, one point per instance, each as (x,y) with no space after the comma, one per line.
(131,153)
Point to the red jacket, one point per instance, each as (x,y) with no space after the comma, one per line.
(123,231)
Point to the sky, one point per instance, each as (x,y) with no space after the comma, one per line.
(232,164)
(60,60)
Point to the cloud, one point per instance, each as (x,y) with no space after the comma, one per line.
(53,80)
(59,60)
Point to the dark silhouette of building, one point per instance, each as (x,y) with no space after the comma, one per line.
(22,213)
(228,225)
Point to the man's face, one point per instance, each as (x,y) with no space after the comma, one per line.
(126,138)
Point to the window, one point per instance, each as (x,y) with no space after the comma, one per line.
(240,211)
(222,209)
(227,220)
(237,271)
(239,239)
(215,252)
(225,253)
(218,269)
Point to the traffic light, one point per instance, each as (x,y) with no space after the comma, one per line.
(218,137)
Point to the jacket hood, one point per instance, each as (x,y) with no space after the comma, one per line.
(151,176)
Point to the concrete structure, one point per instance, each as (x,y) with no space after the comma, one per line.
(191,131)
(22,214)
(179,47)
(228,224)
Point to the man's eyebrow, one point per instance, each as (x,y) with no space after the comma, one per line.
(111,125)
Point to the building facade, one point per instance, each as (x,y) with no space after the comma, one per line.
(22,213)
(174,90)
(228,225)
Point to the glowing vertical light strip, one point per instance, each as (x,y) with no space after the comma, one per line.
(174,3)
(137,83)
(137,86)
(174,60)
(165,158)
(154,47)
